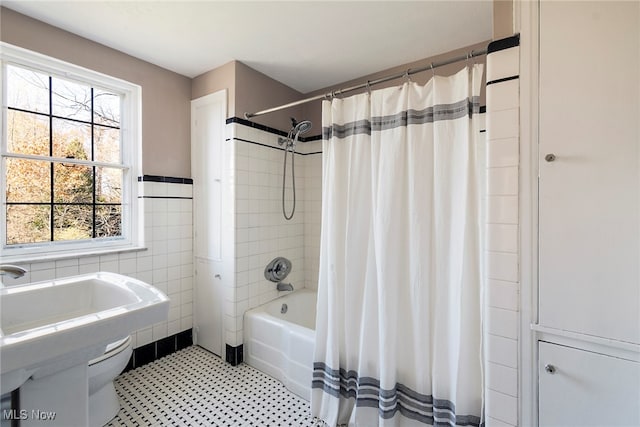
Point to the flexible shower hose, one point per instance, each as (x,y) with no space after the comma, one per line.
(289,144)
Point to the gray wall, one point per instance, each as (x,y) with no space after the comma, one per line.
(313,110)
(249,91)
(166,95)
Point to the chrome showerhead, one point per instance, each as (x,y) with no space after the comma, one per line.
(302,127)
(298,129)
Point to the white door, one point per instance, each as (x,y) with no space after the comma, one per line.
(580,388)
(589,255)
(208,117)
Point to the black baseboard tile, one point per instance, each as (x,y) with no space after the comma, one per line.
(234,355)
(130,364)
(184,339)
(158,349)
(166,346)
(145,354)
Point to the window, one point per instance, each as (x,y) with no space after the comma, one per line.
(69,157)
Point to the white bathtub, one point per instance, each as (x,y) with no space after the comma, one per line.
(281,344)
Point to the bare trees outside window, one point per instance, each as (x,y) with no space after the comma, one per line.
(63,162)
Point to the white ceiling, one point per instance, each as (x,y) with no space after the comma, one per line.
(305,45)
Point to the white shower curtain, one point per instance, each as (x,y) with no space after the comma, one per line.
(398,330)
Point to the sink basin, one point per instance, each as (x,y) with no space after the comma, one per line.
(50,326)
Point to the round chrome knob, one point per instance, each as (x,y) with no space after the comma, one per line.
(550,369)
(550,157)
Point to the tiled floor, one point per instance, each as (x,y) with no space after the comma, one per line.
(196,388)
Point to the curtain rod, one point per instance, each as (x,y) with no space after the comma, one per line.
(370,83)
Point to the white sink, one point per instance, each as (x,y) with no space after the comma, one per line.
(51,326)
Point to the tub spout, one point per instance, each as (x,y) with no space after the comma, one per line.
(13,271)
(285,286)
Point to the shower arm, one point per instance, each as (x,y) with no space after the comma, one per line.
(369,83)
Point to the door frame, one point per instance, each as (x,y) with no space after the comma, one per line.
(526,17)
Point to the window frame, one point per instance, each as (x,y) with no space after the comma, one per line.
(131,139)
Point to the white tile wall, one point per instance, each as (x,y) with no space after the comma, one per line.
(502,238)
(502,407)
(502,294)
(505,123)
(313,214)
(502,379)
(502,181)
(502,247)
(503,351)
(262,233)
(502,209)
(166,263)
(504,152)
(492,422)
(503,96)
(504,63)
(502,266)
(503,322)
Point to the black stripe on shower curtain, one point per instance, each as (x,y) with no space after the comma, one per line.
(464,108)
(367,392)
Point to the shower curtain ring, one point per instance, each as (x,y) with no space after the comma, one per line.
(407,75)
(368,87)
(469,56)
(433,71)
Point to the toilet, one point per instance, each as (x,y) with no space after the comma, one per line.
(103,400)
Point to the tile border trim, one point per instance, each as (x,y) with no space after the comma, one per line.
(502,80)
(165,197)
(267,145)
(258,126)
(502,44)
(167,179)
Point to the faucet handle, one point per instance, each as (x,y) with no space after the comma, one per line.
(278,269)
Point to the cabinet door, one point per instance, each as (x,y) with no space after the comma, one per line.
(581,388)
(589,192)
(212,216)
